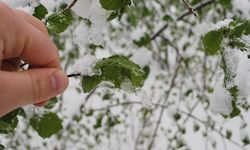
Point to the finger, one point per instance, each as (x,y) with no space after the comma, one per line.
(20,38)
(41,104)
(33,21)
(29,87)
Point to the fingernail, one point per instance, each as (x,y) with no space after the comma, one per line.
(60,81)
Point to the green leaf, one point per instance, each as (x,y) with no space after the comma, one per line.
(8,123)
(146,70)
(114,4)
(167,18)
(90,82)
(113,15)
(225,3)
(47,124)
(212,42)
(143,41)
(236,111)
(241,29)
(116,69)
(5,128)
(2,147)
(98,123)
(51,104)
(40,12)
(58,22)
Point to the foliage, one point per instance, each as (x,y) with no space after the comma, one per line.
(47,124)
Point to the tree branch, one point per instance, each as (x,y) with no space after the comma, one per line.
(190,8)
(162,109)
(70,5)
(195,8)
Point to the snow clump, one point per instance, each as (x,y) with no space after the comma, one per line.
(85,65)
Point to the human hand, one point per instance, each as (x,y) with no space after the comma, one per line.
(23,37)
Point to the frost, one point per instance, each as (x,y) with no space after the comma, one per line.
(85,65)
(221,24)
(220,99)
(127,86)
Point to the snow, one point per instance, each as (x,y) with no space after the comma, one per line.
(22,5)
(127,86)
(93,11)
(220,99)
(142,52)
(242,6)
(80,35)
(82,8)
(221,24)
(85,65)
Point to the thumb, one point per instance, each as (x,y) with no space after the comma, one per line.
(29,87)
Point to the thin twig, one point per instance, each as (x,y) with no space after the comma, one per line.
(196,7)
(214,129)
(74,75)
(162,109)
(190,8)
(70,5)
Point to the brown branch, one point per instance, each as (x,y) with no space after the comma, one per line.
(195,8)
(70,5)
(190,8)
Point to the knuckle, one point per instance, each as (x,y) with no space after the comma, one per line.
(36,86)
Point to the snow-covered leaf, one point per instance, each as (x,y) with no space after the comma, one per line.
(59,21)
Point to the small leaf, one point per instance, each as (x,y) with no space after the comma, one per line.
(143,41)
(236,111)
(146,70)
(51,104)
(241,29)
(89,83)
(40,12)
(58,22)
(167,18)
(8,123)
(47,124)
(114,4)
(117,68)
(212,42)
(98,123)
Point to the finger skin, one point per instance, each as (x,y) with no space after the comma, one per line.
(23,37)
(29,87)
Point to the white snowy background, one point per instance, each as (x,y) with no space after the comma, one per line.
(204,105)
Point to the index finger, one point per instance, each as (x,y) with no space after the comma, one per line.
(21,39)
